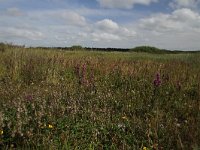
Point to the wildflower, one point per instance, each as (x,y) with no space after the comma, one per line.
(121,126)
(1,132)
(29,97)
(50,126)
(145,148)
(125,118)
(157,80)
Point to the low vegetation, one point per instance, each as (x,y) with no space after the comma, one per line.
(139,49)
(55,99)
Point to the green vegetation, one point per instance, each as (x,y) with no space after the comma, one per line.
(139,49)
(149,49)
(55,99)
(76,47)
(2,47)
(154,50)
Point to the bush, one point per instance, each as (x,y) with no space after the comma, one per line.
(76,47)
(149,49)
(2,47)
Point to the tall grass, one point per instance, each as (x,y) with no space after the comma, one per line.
(98,100)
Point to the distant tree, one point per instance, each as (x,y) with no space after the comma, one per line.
(76,47)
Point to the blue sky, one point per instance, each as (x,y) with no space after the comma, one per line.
(171,24)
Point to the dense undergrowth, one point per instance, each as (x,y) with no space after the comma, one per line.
(97,100)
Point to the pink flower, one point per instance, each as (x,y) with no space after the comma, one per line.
(157,80)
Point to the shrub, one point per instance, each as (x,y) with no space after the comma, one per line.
(149,49)
(2,47)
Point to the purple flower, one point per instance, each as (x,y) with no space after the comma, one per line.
(29,97)
(157,80)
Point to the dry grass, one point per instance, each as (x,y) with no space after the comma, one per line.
(98,100)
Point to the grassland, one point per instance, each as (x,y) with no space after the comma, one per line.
(51,99)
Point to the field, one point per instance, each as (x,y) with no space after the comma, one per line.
(54,99)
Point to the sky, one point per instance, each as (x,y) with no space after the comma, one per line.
(169,24)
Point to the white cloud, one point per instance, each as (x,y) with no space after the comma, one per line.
(178,30)
(184,3)
(105,37)
(186,15)
(55,26)
(107,30)
(107,25)
(21,33)
(67,17)
(125,4)
(72,18)
(180,20)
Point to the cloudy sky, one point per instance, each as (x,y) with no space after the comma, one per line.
(171,24)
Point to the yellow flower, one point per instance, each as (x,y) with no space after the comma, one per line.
(125,118)
(145,148)
(50,126)
(1,132)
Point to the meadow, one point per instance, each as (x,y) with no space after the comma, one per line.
(55,99)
